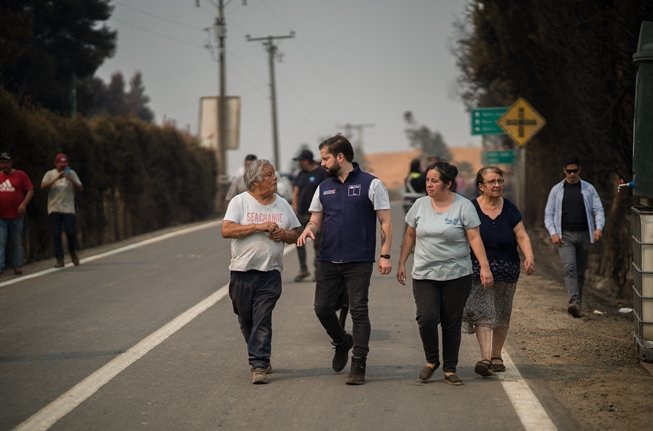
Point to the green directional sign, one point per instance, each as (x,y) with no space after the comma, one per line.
(484,120)
(499,157)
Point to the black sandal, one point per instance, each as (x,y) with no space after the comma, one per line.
(483,367)
(497,365)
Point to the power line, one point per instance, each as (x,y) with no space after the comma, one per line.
(185,42)
(157,16)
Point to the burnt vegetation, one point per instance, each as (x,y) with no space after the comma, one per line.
(573,62)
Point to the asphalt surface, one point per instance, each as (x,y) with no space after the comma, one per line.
(102,346)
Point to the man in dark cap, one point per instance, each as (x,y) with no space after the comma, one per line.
(304,186)
(16,192)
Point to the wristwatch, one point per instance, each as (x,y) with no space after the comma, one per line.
(385,256)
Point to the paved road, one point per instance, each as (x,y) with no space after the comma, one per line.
(143,337)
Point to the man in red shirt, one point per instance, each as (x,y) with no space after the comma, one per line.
(15,193)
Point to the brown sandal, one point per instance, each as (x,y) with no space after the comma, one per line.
(497,365)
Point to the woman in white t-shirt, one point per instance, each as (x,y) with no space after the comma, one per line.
(442,227)
(259,222)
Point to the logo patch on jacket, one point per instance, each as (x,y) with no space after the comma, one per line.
(354,190)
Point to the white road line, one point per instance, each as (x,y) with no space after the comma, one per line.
(117,251)
(528,408)
(50,414)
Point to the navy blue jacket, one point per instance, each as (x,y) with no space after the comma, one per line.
(349,223)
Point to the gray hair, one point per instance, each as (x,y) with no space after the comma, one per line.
(254,172)
(480,176)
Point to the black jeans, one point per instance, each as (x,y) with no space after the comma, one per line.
(332,279)
(441,302)
(253,296)
(67,223)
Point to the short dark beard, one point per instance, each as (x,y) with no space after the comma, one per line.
(333,172)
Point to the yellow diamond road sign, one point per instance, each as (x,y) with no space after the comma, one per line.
(521,121)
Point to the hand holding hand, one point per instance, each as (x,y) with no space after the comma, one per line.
(268,227)
(277,234)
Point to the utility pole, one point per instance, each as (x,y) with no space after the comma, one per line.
(221,34)
(268,43)
(220,30)
(349,128)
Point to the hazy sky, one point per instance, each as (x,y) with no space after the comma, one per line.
(351,61)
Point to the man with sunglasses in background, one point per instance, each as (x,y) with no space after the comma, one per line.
(574,218)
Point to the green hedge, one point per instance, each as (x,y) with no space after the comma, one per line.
(137,177)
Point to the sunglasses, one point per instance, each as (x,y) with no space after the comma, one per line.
(572,171)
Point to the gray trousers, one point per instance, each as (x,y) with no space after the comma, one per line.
(573,256)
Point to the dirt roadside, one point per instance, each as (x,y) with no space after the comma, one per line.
(589,363)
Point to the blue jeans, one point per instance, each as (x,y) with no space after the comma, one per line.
(67,223)
(11,231)
(331,281)
(573,253)
(441,302)
(253,296)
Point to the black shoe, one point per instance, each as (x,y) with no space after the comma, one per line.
(427,371)
(484,368)
(342,353)
(574,309)
(357,374)
(59,263)
(302,275)
(75,259)
(453,379)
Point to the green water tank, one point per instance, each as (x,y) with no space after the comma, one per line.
(643,128)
